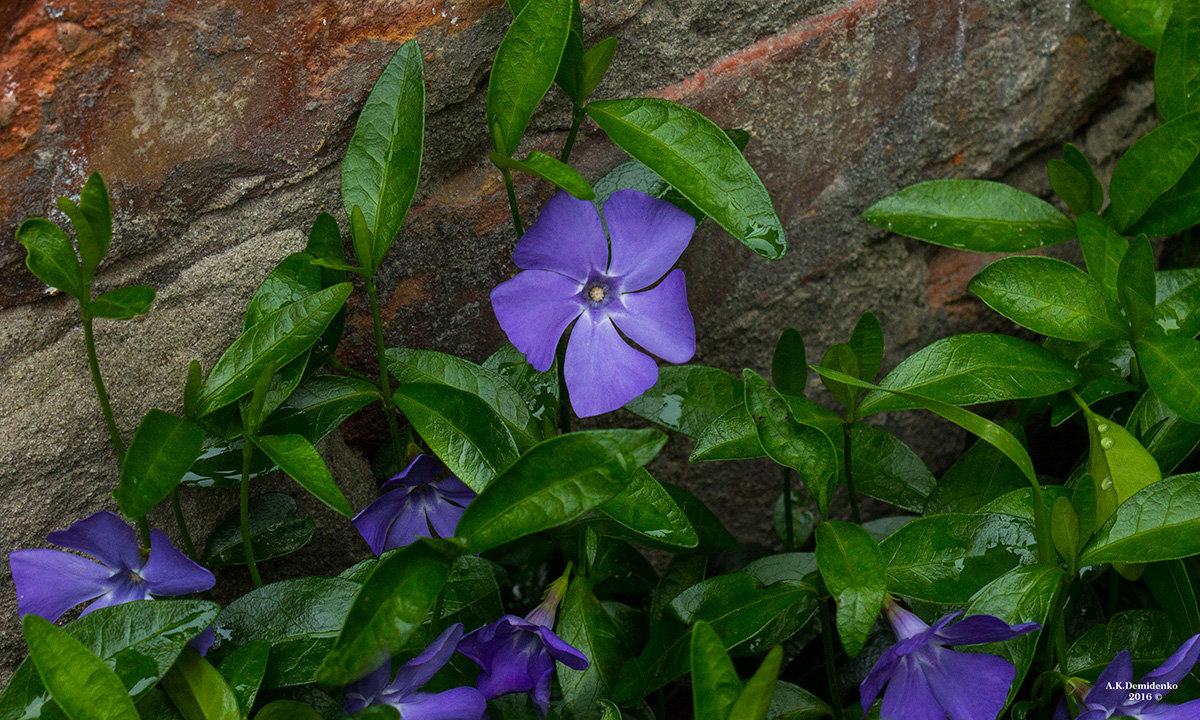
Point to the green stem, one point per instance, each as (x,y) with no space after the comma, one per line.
(385,385)
(247,546)
(789,534)
(512,201)
(576,120)
(341,367)
(847,431)
(835,689)
(183,528)
(89,341)
(144,531)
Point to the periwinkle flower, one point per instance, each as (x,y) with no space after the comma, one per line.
(1115,695)
(517,654)
(422,501)
(927,681)
(50,582)
(572,274)
(403,692)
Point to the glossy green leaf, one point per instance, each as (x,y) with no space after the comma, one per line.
(841,357)
(552,170)
(524,69)
(1075,182)
(699,160)
(977,215)
(472,592)
(393,603)
(730,436)
(50,257)
(586,625)
(1172,587)
(1050,297)
(888,470)
(1142,20)
(243,670)
(199,691)
(461,429)
(594,65)
(1168,437)
(294,278)
(688,398)
(92,221)
(792,702)
(122,303)
(325,243)
(715,684)
(1175,210)
(539,390)
(971,369)
(712,533)
(383,161)
(1102,249)
(1161,522)
(1064,530)
(300,460)
(272,342)
(979,475)
(866,340)
(163,448)
(1136,288)
(1171,366)
(1178,310)
(789,364)
(555,482)
(287,710)
(851,565)
(1118,463)
(1151,167)
(1145,634)
(80,683)
(1177,62)
(754,702)
(319,405)
(276,529)
(646,510)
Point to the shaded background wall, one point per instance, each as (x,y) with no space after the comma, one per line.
(219,127)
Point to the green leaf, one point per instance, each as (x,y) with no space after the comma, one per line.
(319,405)
(461,429)
(595,64)
(1074,181)
(841,357)
(1103,250)
(1170,365)
(978,476)
(789,364)
(1168,437)
(1050,297)
(524,69)
(586,625)
(866,340)
(699,160)
(715,684)
(276,529)
(122,303)
(325,243)
(1118,463)
(971,369)
(1175,210)
(163,448)
(888,470)
(555,482)
(977,215)
(852,567)
(1172,588)
(199,691)
(393,603)
(646,510)
(299,459)
(287,710)
(731,436)
(294,278)
(792,702)
(243,670)
(92,220)
(712,533)
(803,448)
(539,390)
(1151,167)
(1177,62)
(1161,522)
(948,558)
(1142,20)
(272,342)
(688,398)
(472,592)
(1064,530)
(80,683)
(754,702)
(1135,286)
(383,160)
(1178,310)
(552,170)
(50,257)
(1145,634)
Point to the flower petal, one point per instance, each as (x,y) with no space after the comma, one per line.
(1106,692)
(390,521)
(363,692)
(540,695)
(563,651)
(120,592)
(423,469)
(170,572)
(476,644)
(204,641)
(968,686)
(1165,711)
(647,234)
(418,671)
(1178,665)
(908,696)
(602,371)
(462,703)
(50,582)
(979,629)
(658,319)
(873,684)
(104,536)
(534,309)
(443,516)
(568,238)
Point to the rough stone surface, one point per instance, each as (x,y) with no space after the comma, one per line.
(219,127)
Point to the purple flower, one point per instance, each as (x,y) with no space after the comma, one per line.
(416,504)
(50,582)
(518,654)
(403,692)
(570,274)
(1116,696)
(927,681)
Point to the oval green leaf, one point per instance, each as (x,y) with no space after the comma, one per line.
(122,303)
(300,460)
(161,452)
(524,69)
(80,683)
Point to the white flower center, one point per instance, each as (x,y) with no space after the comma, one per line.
(596,293)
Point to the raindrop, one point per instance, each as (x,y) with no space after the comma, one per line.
(1107,443)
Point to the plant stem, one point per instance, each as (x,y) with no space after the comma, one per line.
(89,341)
(183,528)
(341,367)
(144,531)
(512,201)
(385,385)
(247,546)
(789,533)
(576,120)
(847,432)
(835,689)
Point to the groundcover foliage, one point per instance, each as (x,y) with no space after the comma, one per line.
(999,589)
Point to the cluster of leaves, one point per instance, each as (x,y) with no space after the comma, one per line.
(1103,556)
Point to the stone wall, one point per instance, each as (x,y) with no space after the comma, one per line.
(219,128)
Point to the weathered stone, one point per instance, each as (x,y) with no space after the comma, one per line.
(219,128)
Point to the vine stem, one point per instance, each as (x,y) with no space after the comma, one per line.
(385,385)
(183,528)
(789,534)
(512,201)
(247,546)
(848,455)
(576,121)
(835,690)
(89,341)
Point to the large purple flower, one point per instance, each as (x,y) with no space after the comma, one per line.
(416,503)
(517,654)
(50,582)
(404,690)
(1115,695)
(572,274)
(927,681)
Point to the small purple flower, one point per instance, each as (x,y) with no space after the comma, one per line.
(570,274)
(403,692)
(1115,695)
(517,654)
(50,582)
(927,681)
(415,504)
